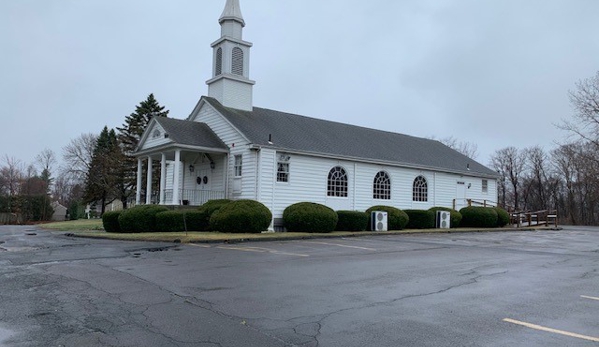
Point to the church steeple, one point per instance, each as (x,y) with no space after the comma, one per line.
(232,11)
(230,83)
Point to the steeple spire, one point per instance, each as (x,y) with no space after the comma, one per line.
(232,11)
(230,83)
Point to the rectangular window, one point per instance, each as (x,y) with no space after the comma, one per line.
(283,172)
(485,186)
(238,164)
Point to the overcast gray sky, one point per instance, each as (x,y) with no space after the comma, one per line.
(494,73)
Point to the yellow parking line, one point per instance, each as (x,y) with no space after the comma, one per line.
(340,245)
(589,297)
(550,330)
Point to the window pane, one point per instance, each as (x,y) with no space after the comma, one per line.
(381,188)
(337,182)
(420,189)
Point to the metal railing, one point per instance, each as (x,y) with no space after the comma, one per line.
(471,202)
(193,197)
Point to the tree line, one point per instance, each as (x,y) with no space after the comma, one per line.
(97,169)
(565,178)
(100,168)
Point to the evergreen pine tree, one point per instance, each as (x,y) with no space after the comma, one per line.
(104,171)
(129,136)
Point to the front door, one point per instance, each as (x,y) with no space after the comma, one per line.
(206,180)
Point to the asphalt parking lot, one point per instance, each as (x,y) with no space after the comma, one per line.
(473,289)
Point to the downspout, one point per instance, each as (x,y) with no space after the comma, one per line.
(257,186)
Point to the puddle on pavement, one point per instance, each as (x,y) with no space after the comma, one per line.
(5,335)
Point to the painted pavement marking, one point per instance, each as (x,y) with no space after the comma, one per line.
(262,250)
(550,330)
(199,245)
(340,245)
(589,297)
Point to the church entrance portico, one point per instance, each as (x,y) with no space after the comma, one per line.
(185,177)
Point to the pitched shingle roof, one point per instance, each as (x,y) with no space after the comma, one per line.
(190,133)
(299,133)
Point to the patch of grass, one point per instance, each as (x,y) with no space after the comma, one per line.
(75,225)
(199,237)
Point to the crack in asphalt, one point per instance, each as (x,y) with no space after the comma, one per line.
(323,317)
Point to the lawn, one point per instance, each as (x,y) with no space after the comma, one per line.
(75,225)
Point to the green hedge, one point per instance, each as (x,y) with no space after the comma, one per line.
(179,220)
(206,212)
(455,217)
(110,221)
(351,221)
(503,217)
(479,217)
(396,218)
(420,219)
(169,221)
(140,219)
(309,217)
(241,216)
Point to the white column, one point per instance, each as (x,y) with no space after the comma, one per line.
(162,178)
(177,172)
(149,182)
(138,188)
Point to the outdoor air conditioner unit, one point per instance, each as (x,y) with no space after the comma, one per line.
(379,221)
(443,219)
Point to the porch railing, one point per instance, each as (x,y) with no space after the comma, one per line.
(194,197)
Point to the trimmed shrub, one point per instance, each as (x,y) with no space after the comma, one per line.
(351,221)
(140,219)
(194,220)
(179,220)
(479,217)
(170,221)
(454,216)
(309,217)
(396,218)
(503,217)
(206,211)
(420,219)
(241,216)
(110,221)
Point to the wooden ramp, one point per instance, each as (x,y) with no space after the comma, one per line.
(536,218)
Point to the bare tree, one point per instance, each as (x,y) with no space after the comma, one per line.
(585,101)
(46,160)
(509,162)
(468,149)
(78,155)
(536,180)
(11,175)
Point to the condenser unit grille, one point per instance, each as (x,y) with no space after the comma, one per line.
(379,221)
(443,219)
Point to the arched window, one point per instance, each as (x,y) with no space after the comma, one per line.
(218,69)
(337,182)
(381,189)
(420,189)
(237,61)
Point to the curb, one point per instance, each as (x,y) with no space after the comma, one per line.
(313,237)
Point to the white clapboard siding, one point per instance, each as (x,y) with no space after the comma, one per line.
(308,182)
(154,141)
(221,127)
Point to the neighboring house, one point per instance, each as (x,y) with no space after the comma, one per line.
(60,212)
(227,148)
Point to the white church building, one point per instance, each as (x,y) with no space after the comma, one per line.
(228,148)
